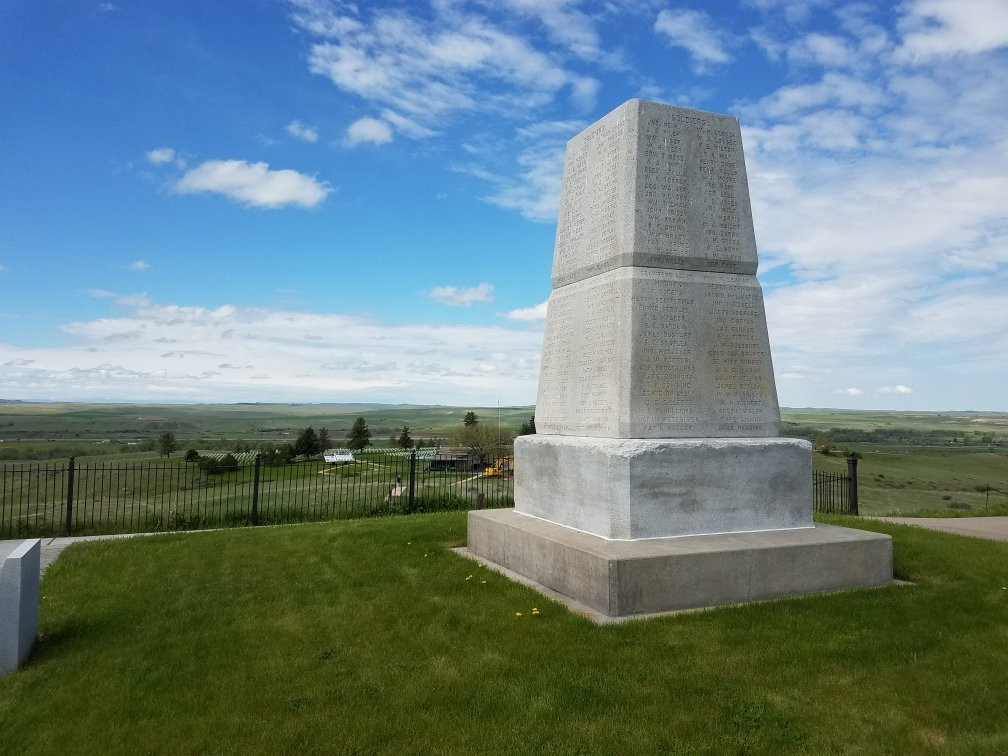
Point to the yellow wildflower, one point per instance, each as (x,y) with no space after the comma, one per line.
(518,614)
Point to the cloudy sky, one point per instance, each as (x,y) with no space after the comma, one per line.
(314,200)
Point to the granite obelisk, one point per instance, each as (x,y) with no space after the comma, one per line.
(657,414)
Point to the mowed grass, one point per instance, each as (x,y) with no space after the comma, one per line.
(369,636)
(926,481)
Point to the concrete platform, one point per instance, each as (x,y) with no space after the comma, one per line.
(625,578)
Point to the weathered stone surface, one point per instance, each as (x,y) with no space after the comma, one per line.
(657,410)
(657,488)
(657,186)
(648,353)
(623,578)
(19,603)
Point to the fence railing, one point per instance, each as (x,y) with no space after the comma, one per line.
(836,492)
(71,498)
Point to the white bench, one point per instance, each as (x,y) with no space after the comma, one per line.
(19,601)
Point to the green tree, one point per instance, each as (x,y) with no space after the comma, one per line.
(405,440)
(528,427)
(359,435)
(307,443)
(484,441)
(470,419)
(823,444)
(192,455)
(281,455)
(166,444)
(323,439)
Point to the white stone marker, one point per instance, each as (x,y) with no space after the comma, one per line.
(657,412)
(19,603)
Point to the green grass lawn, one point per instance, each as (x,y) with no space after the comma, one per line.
(370,636)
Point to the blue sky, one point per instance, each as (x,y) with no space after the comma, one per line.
(327,201)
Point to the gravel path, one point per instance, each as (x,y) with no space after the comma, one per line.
(992,528)
(53,547)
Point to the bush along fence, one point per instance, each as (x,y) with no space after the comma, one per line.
(71,498)
(836,493)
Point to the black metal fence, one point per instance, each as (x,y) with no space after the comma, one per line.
(836,492)
(71,498)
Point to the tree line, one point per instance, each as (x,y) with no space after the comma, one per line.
(908,436)
(311,443)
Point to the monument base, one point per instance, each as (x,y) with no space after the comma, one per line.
(624,578)
(662,487)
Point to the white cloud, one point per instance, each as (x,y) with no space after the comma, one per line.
(138,265)
(425,67)
(108,7)
(528,314)
(161,155)
(566,24)
(234,353)
(300,131)
(253,184)
(458,297)
(535,190)
(852,392)
(695,32)
(405,125)
(368,130)
(935,28)
(898,389)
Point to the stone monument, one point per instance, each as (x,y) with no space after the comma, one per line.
(19,601)
(657,480)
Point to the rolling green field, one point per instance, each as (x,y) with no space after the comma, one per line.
(960,422)
(60,422)
(944,476)
(921,481)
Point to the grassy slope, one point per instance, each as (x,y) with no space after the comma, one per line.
(906,483)
(366,636)
(268,421)
(869,419)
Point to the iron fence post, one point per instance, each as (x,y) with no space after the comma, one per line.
(412,482)
(69,496)
(852,492)
(255,491)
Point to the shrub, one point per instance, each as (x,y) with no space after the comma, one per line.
(212,466)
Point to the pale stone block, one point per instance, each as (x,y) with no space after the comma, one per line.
(656,488)
(656,186)
(649,353)
(19,603)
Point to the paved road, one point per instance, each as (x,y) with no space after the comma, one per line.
(993,528)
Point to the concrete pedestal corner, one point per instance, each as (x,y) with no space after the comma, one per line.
(624,578)
(19,603)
